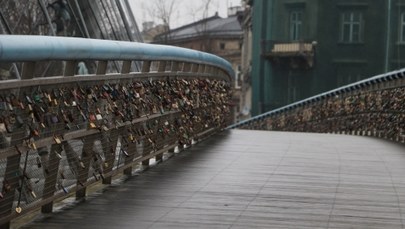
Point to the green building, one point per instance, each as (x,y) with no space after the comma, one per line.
(305,47)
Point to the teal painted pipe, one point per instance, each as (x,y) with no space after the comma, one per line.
(17,48)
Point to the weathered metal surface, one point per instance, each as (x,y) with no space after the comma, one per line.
(37,48)
(257,179)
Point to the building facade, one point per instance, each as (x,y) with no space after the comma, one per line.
(245,102)
(305,47)
(220,36)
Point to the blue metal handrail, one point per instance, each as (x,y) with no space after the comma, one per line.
(338,91)
(16,48)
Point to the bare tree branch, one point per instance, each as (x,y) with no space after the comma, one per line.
(163,10)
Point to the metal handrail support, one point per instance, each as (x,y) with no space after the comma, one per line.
(80,129)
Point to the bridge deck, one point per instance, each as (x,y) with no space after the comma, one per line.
(255,179)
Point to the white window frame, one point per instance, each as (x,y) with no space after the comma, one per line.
(352,22)
(296,24)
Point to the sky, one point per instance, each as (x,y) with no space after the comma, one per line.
(186,11)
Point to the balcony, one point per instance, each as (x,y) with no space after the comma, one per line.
(295,55)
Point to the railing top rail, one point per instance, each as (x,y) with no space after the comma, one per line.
(17,48)
(389,76)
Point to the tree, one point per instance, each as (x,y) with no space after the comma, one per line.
(201,13)
(161,11)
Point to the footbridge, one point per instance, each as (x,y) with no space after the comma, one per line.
(335,160)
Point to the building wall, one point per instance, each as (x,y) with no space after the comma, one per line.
(245,102)
(338,60)
(227,48)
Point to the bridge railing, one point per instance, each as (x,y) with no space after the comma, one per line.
(60,134)
(372,107)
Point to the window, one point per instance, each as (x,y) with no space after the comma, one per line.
(351,27)
(402,28)
(238,75)
(295,25)
(222,46)
(347,74)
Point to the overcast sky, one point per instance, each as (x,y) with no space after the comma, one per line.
(186,11)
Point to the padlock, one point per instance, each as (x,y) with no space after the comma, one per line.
(54,118)
(131,137)
(57,139)
(18,210)
(92,117)
(92,125)
(10,107)
(43,109)
(33,146)
(125,152)
(37,98)
(48,96)
(21,105)
(33,194)
(58,155)
(34,132)
(28,99)
(99,116)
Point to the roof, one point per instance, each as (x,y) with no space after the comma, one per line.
(215,26)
